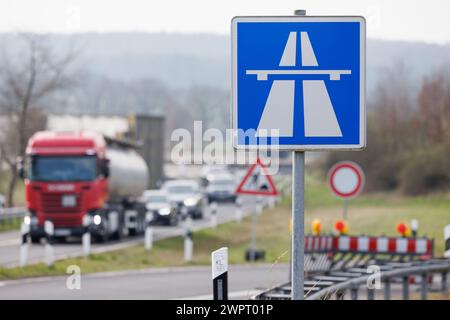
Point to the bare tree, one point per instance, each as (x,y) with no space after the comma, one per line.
(27,75)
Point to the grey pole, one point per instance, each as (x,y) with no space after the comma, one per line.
(405,288)
(345,209)
(298,218)
(370,294)
(252,256)
(424,286)
(387,289)
(354,293)
(300,12)
(444,287)
(298,238)
(290,262)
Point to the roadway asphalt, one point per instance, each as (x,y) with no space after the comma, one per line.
(172,283)
(10,241)
(192,283)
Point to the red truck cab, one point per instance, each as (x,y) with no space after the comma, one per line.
(66,180)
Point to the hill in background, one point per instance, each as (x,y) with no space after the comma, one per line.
(146,72)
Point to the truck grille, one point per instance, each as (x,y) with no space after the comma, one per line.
(61,221)
(52,203)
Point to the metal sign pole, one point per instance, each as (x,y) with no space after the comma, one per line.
(298,238)
(298,219)
(345,208)
(253,238)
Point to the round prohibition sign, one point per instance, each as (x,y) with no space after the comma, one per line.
(346,179)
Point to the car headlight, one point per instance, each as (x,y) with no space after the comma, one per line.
(97,220)
(164,211)
(190,202)
(27,220)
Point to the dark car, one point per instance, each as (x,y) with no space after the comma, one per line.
(160,209)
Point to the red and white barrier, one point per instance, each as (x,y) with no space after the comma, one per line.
(365,244)
(318,243)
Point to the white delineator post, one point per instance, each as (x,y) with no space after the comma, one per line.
(447,241)
(188,239)
(213,214)
(148,232)
(219,268)
(238,214)
(25,233)
(49,254)
(86,237)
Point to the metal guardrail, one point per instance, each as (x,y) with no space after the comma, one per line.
(12,213)
(424,269)
(337,283)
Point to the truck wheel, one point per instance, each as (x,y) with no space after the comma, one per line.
(117,235)
(101,238)
(35,239)
(132,232)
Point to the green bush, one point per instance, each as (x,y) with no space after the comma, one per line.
(424,171)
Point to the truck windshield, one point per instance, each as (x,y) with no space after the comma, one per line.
(63,168)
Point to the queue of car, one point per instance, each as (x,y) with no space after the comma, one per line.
(178,197)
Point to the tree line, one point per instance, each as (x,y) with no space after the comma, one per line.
(408,135)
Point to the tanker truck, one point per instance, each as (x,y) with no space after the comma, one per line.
(79,179)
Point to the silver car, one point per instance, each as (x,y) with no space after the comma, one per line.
(187,194)
(221,187)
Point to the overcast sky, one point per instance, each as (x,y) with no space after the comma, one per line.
(412,20)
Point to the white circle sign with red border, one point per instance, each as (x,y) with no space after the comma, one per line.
(346,179)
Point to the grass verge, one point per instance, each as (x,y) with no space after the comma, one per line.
(9,225)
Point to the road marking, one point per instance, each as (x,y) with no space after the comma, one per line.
(236,294)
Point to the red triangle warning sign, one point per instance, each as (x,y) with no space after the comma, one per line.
(257,181)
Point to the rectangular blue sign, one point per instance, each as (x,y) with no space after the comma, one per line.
(298,83)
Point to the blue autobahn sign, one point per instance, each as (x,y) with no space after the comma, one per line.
(298,82)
